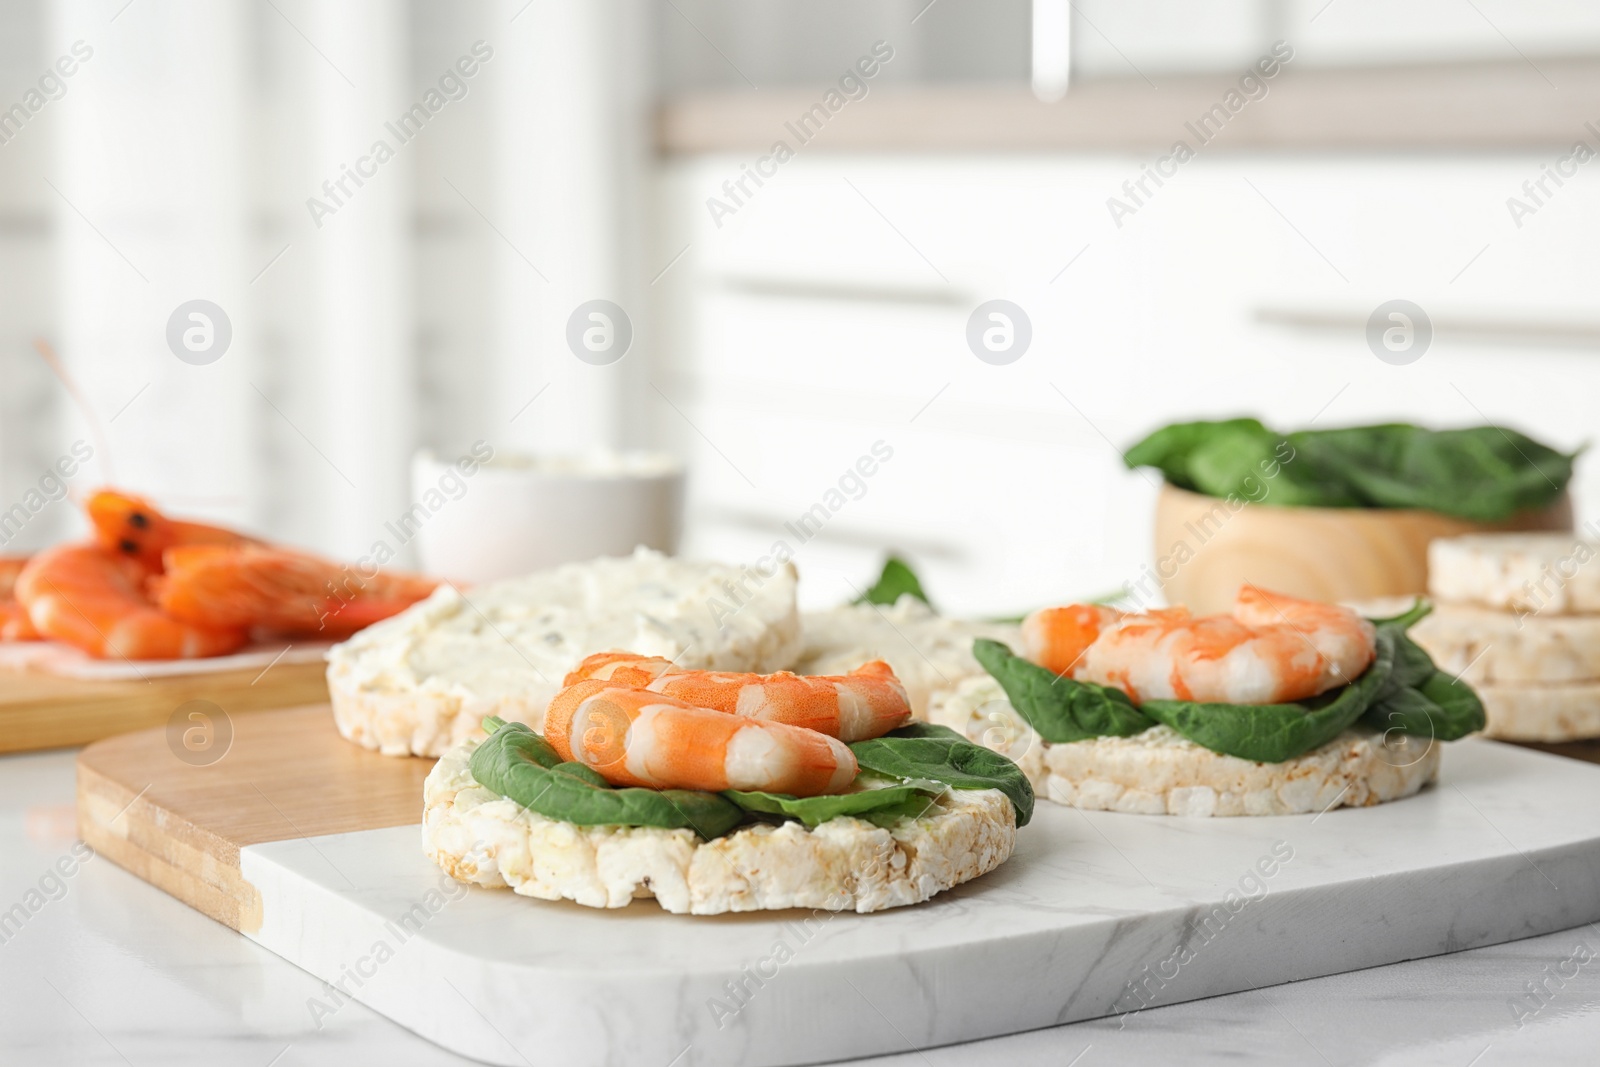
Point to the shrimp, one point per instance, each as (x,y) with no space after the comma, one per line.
(129,526)
(95,600)
(14,622)
(1272,649)
(279,589)
(1056,638)
(867,702)
(636,737)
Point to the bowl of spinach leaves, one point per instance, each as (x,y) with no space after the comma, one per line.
(1336,514)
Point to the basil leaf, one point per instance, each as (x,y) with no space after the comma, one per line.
(1272,733)
(897,580)
(517,763)
(878,805)
(1058,708)
(922,750)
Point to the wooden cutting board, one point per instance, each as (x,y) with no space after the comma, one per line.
(178,817)
(39,710)
(312,848)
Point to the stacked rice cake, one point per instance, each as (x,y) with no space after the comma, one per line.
(1518,617)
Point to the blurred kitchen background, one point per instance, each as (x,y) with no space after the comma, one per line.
(779,334)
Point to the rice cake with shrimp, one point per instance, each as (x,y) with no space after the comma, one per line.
(1159,772)
(423,680)
(488,840)
(930,654)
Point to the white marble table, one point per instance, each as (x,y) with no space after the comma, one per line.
(108,970)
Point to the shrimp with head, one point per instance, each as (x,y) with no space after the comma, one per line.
(868,702)
(1271,649)
(636,737)
(131,526)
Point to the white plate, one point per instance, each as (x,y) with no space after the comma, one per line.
(1092,909)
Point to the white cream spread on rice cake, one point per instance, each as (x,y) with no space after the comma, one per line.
(423,680)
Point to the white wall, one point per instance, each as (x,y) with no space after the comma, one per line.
(1008,492)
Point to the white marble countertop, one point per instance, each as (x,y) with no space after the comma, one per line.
(108,970)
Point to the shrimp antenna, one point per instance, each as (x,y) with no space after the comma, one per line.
(96,427)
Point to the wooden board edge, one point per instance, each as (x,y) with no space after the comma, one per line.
(90,716)
(122,825)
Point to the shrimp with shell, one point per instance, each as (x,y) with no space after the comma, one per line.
(868,702)
(131,526)
(636,737)
(279,589)
(14,622)
(1271,649)
(96,601)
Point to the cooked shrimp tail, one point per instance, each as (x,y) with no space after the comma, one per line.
(1056,638)
(867,702)
(635,737)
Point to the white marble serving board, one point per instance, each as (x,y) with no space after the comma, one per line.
(1092,908)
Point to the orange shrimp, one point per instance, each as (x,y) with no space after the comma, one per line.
(130,526)
(1272,649)
(636,737)
(867,702)
(279,589)
(95,600)
(14,622)
(1056,638)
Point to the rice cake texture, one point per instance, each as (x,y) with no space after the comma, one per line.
(1547,574)
(1484,646)
(1159,772)
(931,654)
(845,864)
(1548,713)
(422,681)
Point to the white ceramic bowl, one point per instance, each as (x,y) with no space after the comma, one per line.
(521,513)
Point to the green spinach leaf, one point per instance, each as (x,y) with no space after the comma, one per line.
(1440,707)
(881,806)
(924,751)
(1058,708)
(1171,448)
(897,580)
(1481,473)
(517,763)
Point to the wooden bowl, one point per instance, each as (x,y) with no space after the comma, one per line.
(1207,547)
